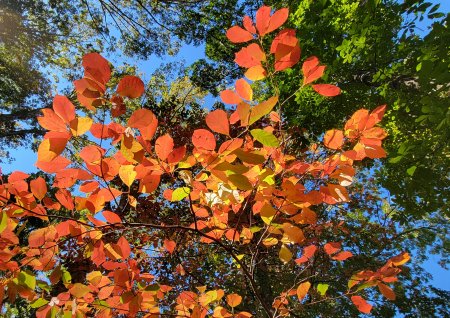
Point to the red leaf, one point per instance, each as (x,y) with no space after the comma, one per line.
(176,155)
(64,108)
(262,19)
(203,138)
(237,34)
(327,89)
(332,247)
(375,116)
(386,291)
(38,188)
(141,118)
(308,253)
(312,70)
(131,86)
(362,305)
(118,106)
(286,48)
(17,176)
(164,146)
(266,23)
(248,24)
(98,254)
(230,97)
(96,67)
(217,121)
(169,246)
(333,139)
(111,217)
(342,256)
(125,249)
(249,56)
(244,89)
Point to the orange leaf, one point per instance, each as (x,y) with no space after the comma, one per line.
(96,67)
(217,121)
(203,138)
(308,253)
(332,247)
(248,24)
(312,70)
(164,146)
(53,166)
(327,89)
(64,108)
(234,300)
(230,97)
(131,86)
(375,116)
(256,73)
(342,256)
(400,259)
(362,305)
(111,217)
(244,89)
(386,291)
(237,34)
(117,106)
(262,109)
(169,246)
(333,139)
(51,121)
(266,23)
(125,249)
(38,187)
(141,118)
(49,149)
(243,110)
(302,290)
(249,56)
(65,198)
(286,48)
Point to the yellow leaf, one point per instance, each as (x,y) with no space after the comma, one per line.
(267,213)
(285,254)
(80,125)
(127,174)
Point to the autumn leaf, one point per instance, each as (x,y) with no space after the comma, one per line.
(333,139)
(217,121)
(302,290)
(202,138)
(130,86)
(362,305)
(236,34)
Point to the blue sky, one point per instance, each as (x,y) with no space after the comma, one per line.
(25,158)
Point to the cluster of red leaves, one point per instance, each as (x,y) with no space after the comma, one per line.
(250,173)
(285,48)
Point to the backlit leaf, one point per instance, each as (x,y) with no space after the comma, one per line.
(217,121)
(164,146)
(204,139)
(327,89)
(130,86)
(362,305)
(236,34)
(302,290)
(265,137)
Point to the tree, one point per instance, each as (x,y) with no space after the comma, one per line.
(159,227)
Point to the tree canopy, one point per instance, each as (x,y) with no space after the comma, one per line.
(268,203)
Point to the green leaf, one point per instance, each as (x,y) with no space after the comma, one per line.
(66,277)
(265,137)
(322,289)
(27,279)
(411,170)
(39,303)
(180,193)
